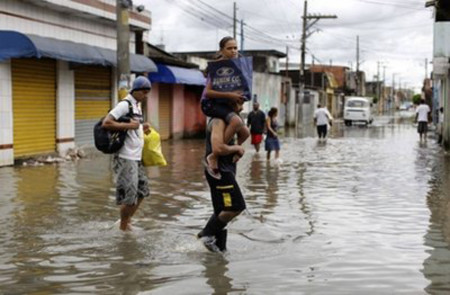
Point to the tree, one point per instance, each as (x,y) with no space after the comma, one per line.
(416,98)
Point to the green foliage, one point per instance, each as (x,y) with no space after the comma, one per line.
(374,100)
(416,98)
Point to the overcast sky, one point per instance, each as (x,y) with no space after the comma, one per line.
(396,33)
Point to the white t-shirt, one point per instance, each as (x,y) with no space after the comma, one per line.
(322,116)
(134,142)
(423,110)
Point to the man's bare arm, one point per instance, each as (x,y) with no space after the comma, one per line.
(110,123)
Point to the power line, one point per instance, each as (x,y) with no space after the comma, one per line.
(392,4)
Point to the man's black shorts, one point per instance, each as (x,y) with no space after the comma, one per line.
(225,193)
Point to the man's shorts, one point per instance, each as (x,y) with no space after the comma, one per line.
(256,138)
(225,193)
(422,127)
(131,181)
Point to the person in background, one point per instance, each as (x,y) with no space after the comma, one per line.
(321,119)
(272,141)
(440,125)
(130,176)
(422,118)
(256,121)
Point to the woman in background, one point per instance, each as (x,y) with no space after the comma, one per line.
(272,142)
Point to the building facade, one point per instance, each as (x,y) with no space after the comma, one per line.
(441,64)
(175,99)
(58,72)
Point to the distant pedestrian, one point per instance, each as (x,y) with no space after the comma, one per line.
(130,176)
(227,199)
(321,119)
(440,125)
(422,118)
(224,105)
(272,141)
(256,121)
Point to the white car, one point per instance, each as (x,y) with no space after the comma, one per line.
(357,109)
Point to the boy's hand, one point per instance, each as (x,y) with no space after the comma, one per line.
(237,97)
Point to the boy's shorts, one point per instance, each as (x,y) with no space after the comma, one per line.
(225,193)
(217,108)
(131,181)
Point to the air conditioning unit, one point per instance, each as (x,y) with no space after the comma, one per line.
(441,65)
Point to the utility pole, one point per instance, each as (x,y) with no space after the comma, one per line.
(123,46)
(303,45)
(305,18)
(378,80)
(287,61)
(242,36)
(384,88)
(234,20)
(393,90)
(305,26)
(426,68)
(357,65)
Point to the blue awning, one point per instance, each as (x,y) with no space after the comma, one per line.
(177,75)
(17,45)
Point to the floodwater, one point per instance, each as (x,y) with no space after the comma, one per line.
(367,212)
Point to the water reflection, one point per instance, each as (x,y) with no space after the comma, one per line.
(351,214)
(216,274)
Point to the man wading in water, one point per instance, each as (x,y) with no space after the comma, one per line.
(226,195)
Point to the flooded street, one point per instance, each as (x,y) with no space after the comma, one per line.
(367,212)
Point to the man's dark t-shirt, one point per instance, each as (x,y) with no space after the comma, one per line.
(256,120)
(225,162)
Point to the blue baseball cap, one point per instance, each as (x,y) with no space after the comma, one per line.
(141,83)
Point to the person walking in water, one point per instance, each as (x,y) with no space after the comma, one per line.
(272,141)
(227,199)
(422,118)
(130,176)
(321,119)
(224,105)
(256,121)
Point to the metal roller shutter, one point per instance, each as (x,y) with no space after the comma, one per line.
(34,106)
(165,111)
(92,100)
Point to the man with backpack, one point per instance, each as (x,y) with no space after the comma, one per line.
(131,180)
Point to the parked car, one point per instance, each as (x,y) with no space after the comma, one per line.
(405,106)
(357,109)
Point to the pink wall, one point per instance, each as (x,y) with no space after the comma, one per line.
(194,120)
(178,111)
(152,106)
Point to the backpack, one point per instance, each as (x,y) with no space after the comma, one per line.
(111,141)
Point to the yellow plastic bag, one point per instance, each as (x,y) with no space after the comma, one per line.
(152,154)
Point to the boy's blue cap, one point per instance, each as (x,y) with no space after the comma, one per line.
(141,83)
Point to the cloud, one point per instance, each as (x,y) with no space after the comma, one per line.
(396,33)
